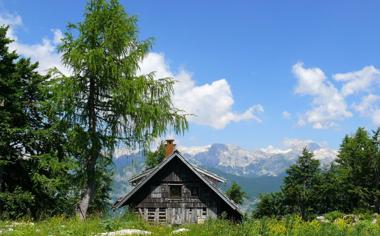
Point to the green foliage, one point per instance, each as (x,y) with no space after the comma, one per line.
(299,185)
(359,169)
(298,193)
(105,99)
(351,184)
(289,225)
(34,171)
(154,158)
(270,205)
(333,215)
(235,193)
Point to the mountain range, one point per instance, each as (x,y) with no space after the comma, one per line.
(257,171)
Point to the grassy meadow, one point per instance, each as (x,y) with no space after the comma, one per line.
(290,225)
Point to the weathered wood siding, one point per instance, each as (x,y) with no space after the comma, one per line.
(197,202)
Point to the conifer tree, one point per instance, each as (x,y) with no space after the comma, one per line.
(34,174)
(358,160)
(299,184)
(106,98)
(235,193)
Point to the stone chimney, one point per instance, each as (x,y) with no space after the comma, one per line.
(169,147)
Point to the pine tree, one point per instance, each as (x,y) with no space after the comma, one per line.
(235,193)
(375,164)
(358,160)
(299,185)
(34,177)
(105,98)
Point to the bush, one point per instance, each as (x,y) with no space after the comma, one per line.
(333,215)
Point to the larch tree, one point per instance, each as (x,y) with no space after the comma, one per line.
(105,97)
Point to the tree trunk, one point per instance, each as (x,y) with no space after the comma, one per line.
(89,189)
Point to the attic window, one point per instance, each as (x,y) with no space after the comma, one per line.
(156,192)
(175,191)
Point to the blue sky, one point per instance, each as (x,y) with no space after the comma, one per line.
(293,69)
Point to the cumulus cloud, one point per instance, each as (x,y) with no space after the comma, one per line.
(367,104)
(44,52)
(358,81)
(211,103)
(328,104)
(11,20)
(368,108)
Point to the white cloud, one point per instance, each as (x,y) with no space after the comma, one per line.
(367,104)
(297,144)
(58,36)
(358,81)
(368,108)
(328,105)
(375,117)
(12,21)
(44,52)
(286,115)
(211,103)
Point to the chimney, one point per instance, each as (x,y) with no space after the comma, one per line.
(169,147)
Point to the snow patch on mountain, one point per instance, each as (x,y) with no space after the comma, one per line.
(194,150)
(269,161)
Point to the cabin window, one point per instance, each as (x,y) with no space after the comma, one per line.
(194,191)
(162,215)
(204,211)
(156,192)
(175,191)
(151,214)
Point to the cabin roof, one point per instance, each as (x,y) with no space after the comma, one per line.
(202,171)
(197,171)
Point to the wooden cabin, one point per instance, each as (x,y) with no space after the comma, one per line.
(177,192)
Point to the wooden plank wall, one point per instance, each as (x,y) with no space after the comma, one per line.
(154,203)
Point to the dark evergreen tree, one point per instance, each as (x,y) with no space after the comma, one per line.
(270,205)
(352,183)
(299,185)
(329,191)
(299,192)
(34,179)
(358,160)
(375,164)
(235,193)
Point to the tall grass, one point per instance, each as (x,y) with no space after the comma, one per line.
(290,225)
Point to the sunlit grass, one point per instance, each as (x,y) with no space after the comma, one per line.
(290,225)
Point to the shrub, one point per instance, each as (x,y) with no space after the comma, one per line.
(333,215)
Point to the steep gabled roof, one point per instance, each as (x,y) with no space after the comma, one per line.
(140,176)
(209,174)
(120,202)
(137,178)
